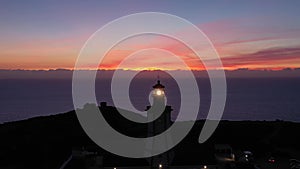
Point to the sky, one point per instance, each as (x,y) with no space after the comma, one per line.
(46,35)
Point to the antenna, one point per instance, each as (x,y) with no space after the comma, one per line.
(158,78)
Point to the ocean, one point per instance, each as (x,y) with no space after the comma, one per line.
(247,98)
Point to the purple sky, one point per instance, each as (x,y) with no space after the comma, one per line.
(247,34)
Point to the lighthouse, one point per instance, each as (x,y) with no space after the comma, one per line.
(160,115)
(159,109)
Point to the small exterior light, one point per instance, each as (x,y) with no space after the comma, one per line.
(160,166)
(115,168)
(205,167)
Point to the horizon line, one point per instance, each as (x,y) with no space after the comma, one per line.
(154,69)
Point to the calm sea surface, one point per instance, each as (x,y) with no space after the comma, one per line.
(247,99)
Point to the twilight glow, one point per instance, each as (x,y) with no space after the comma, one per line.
(248,34)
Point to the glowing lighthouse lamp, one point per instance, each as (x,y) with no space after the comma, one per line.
(159,92)
(158,89)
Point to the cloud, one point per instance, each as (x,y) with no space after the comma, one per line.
(240,43)
(276,57)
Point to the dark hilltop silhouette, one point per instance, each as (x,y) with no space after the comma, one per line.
(58,141)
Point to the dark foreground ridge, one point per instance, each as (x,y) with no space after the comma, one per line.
(52,141)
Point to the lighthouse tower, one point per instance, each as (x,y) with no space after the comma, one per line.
(160,113)
(159,107)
